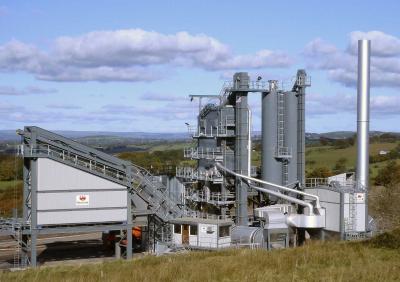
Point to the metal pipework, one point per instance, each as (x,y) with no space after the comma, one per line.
(286,197)
(274,193)
(284,188)
(364,47)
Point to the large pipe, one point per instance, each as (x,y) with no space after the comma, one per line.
(364,47)
(286,197)
(284,188)
(274,193)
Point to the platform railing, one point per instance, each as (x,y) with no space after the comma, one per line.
(210,197)
(203,153)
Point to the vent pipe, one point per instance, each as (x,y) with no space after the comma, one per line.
(364,47)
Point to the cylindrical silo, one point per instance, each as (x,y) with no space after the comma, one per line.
(271,169)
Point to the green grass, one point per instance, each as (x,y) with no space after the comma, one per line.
(376,260)
(170,146)
(328,156)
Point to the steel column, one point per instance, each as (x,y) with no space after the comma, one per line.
(241,84)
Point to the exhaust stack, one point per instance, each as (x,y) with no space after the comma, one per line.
(364,47)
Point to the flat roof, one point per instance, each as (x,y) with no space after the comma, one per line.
(191,220)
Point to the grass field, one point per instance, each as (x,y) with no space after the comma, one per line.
(327,156)
(376,260)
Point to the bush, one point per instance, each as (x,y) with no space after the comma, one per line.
(320,172)
(340,166)
(10,168)
(389,175)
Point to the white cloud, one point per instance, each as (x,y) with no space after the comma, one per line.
(347,103)
(319,46)
(341,65)
(384,45)
(129,55)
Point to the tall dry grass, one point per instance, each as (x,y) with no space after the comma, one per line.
(333,261)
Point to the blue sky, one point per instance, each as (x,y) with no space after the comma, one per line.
(130,65)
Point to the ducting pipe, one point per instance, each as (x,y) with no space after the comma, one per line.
(275,193)
(284,188)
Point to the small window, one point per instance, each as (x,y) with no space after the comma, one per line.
(193,229)
(224,231)
(177,228)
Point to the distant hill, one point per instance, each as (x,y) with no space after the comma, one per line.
(118,137)
(10,135)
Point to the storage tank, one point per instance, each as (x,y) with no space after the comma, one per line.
(271,169)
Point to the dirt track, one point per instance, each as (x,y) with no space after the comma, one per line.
(53,249)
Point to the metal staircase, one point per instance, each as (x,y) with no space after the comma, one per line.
(38,142)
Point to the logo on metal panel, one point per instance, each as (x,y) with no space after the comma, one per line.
(82,200)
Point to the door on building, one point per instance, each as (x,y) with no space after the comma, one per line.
(185,234)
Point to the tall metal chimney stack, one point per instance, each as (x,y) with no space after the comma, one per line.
(364,47)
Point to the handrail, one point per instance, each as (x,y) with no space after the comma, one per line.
(277,194)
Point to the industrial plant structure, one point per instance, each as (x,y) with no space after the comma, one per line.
(221,202)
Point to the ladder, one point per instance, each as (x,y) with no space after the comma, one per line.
(18,249)
(285,172)
(352,219)
(281,121)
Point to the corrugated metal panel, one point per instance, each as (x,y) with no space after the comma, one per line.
(67,200)
(53,175)
(332,211)
(81,216)
(75,207)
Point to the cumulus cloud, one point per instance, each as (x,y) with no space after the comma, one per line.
(341,65)
(347,103)
(129,55)
(12,91)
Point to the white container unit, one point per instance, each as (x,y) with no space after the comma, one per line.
(201,233)
(344,209)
